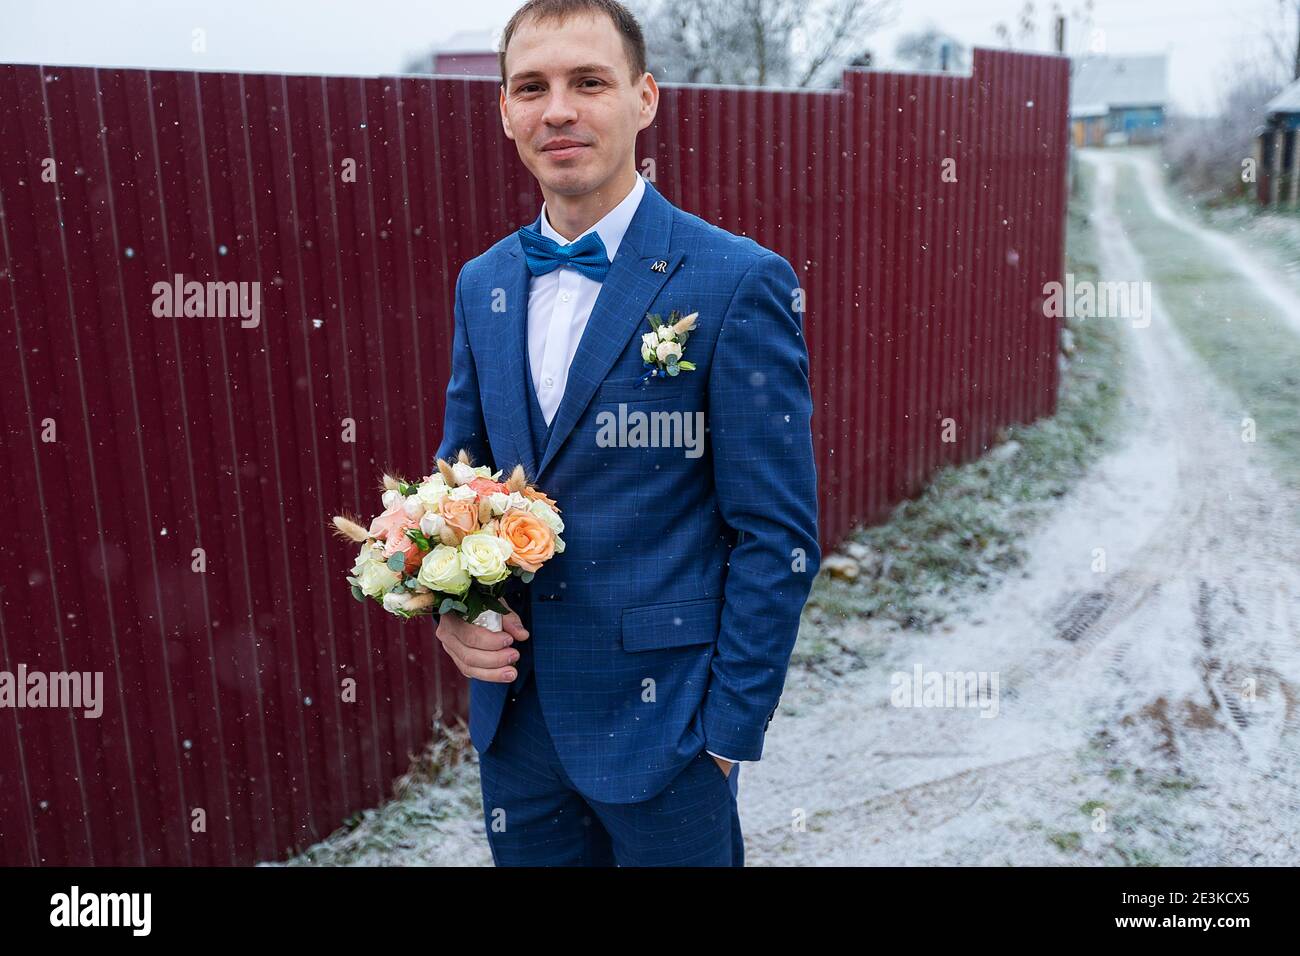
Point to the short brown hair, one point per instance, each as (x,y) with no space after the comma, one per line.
(561,10)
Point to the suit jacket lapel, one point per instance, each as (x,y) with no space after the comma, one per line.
(513,418)
(625,295)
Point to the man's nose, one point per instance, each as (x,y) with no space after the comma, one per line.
(560,109)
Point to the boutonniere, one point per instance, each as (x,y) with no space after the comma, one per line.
(662,346)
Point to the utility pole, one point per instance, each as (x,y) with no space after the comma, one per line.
(1296,70)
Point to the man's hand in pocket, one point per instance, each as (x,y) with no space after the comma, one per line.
(724,765)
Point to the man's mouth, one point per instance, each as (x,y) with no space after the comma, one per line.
(563,148)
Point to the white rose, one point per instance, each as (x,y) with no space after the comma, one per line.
(559,545)
(390,498)
(667,350)
(413,507)
(647,353)
(442,570)
(665,333)
(463,473)
(547,514)
(484,556)
(650,339)
(431,524)
(432,491)
(461,492)
(394,601)
(502,502)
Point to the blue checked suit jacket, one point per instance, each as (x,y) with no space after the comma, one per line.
(666,625)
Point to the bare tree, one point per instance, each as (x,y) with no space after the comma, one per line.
(756,42)
(1205,155)
(1078,30)
(1283,37)
(924,50)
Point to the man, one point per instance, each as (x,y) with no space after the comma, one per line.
(651,653)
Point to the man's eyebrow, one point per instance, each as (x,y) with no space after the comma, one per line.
(538,74)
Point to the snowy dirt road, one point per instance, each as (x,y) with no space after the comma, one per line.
(1147,713)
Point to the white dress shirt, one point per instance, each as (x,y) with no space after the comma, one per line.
(559,305)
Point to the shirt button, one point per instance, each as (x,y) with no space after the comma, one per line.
(564,297)
(548,381)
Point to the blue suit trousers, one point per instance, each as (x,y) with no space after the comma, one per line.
(535,816)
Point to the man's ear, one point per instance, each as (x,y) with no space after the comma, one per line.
(505,119)
(649,100)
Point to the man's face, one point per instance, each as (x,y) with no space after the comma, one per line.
(570,83)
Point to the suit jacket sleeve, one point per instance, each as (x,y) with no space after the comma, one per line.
(760,425)
(463,425)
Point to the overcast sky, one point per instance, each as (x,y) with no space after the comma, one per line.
(1203,37)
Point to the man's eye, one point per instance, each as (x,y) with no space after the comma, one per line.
(592,79)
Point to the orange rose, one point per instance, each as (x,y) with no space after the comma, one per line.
(398,542)
(486,486)
(531,537)
(461,514)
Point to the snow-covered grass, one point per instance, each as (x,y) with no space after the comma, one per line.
(965,529)
(1227,320)
(435,817)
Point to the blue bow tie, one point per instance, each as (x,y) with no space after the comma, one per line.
(588,255)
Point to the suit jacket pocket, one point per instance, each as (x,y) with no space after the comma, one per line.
(634,390)
(673,624)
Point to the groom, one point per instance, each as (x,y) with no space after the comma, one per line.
(646,660)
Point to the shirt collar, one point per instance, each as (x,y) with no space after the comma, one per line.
(612,227)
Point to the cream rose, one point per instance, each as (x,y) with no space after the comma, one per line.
(441,570)
(375,578)
(665,333)
(484,557)
(668,350)
(547,514)
(432,491)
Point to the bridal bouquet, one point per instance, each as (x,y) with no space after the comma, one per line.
(452,541)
